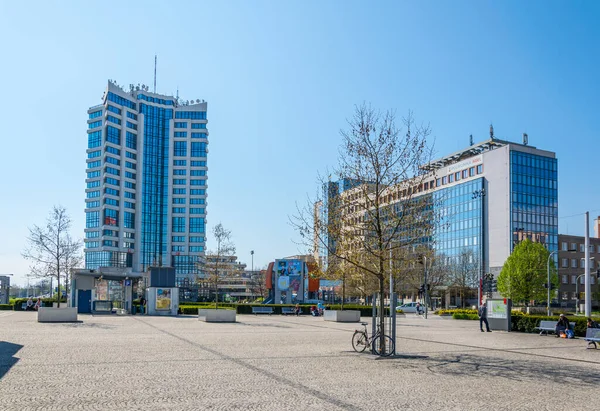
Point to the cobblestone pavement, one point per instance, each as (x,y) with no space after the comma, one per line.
(284,363)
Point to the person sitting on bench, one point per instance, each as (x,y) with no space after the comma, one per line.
(297,310)
(29,306)
(562,325)
(591,323)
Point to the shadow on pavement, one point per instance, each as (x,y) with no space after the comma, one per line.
(7,359)
(485,366)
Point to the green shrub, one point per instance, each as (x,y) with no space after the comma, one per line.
(527,323)
(5,307)
(456,311)
(193,310)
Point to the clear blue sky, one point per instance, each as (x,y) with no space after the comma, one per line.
(280,79)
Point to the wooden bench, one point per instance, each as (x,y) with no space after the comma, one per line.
(289,310)
(592,336)
(262,310)
(547,326)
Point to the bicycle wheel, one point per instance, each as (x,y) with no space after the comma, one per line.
(389,348)
(359,341)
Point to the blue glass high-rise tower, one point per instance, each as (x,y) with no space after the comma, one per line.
(146,181)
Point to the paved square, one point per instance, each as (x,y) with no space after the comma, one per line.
(284,363)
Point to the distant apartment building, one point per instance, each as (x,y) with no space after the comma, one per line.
(146,182)
(571,269)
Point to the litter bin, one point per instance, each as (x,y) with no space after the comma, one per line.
(133,307)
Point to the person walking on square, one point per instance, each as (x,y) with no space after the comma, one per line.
(142,305)
(482,312)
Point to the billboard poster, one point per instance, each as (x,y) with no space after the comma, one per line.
(283,282)
(294,267)
(295,281)
(163,299)
(496,309)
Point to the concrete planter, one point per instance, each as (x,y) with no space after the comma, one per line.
(216,316)
(57,315)
(349,316)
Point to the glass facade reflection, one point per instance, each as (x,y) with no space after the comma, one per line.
(155,186)
(534,199)
(460,228)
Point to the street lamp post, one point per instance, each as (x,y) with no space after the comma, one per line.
(252,272)
(577,290)
(548,284)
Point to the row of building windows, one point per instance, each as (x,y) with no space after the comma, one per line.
(564,246)
(191,115)
(112,150)
(129,174)
(113,135)
(93,174)
(120,100)
(114,109)
(193,163)
(92,204)
(94,139)
(93,260)
(110,180)
(182,200)
(199,135)
(193,191)
(131,140)
(131,115)
(181,134)
(181,124)
(192,249)
(95,114)
(198,125)
(565,279)
(131,125)
(94,154)
(155,100)
(181,210)
(196,225)
(95,124)
(112,160)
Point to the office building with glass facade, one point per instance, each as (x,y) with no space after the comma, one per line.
(146,183)
(487,197)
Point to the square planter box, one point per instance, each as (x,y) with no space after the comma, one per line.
(216,316)
(57,315)
(349,316)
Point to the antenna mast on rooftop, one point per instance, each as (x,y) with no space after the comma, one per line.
(155,73)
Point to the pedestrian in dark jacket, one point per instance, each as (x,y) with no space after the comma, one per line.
(482,312)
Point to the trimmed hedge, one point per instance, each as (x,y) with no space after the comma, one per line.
(47,302)
(193,310)
(6,307)
(455,311)
(527,323)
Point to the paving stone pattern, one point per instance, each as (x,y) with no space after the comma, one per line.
(284,363)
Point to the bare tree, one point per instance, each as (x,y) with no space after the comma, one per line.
(50,249)
(379,206)
(464,273)
(217,260)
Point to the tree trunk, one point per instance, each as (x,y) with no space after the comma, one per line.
(343,290)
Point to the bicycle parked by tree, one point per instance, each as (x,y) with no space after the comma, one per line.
(361,340)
